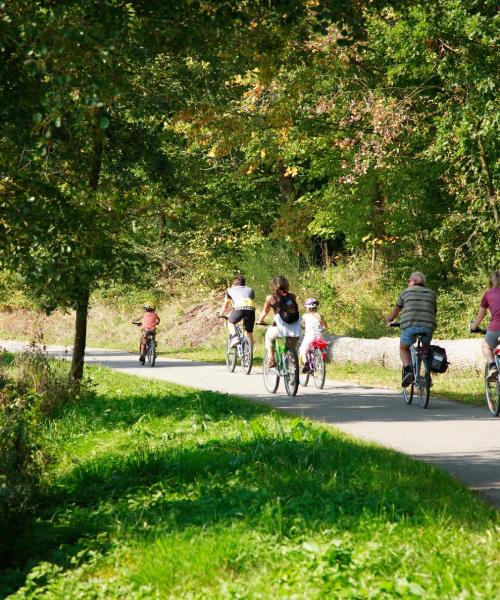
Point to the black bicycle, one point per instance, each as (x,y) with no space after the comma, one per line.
(242,349)
(149,345)
(492,383)
(420,364)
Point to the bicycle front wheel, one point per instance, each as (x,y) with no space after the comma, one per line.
(492,390)
(291,371)
(319,372)
(230,356)
(303,377)
(271,377)
(423,381)
(246,356)
(151,353)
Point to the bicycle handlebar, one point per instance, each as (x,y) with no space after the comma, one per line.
(223,317)
(395,324)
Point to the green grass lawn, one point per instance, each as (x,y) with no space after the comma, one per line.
(160,491)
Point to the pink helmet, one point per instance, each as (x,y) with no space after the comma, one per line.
(311,303)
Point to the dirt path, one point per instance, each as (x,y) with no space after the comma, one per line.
(461,439)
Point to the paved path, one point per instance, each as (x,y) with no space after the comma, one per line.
(461,439)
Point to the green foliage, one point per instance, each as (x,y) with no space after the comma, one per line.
(161,490)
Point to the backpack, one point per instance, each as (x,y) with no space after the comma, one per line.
(439,360)
(288,308)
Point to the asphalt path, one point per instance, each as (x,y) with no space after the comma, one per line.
(461,439)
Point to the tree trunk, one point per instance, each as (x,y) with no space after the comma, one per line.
(378,209)
(78,359)
(492,196)
(82,304)
(162,237)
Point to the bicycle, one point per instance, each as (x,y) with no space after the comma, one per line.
(419,362)
(243,350)
(316,364)
(149,345)
(492,385)
(287,367)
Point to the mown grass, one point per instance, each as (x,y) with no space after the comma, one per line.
(160,491)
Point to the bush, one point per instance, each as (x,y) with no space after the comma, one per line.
(20,460)
(32,389)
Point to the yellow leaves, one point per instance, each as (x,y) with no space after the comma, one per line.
(263,154)
(251,169)
(291,172)
(283,134)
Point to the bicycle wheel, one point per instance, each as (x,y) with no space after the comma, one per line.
(230,356)
(271,377)
(408,391)
(492,389)
(291,371)
(246,356)
(151,353)
(423,381)
(319,371)
(303,377)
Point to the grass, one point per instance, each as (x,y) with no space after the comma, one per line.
(160,491)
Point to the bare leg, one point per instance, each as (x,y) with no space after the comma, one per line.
(404,353)
(249,336)
(231,328)
(488,352)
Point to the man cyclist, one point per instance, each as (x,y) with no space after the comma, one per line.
(148,323)
(418,307)
(241,299)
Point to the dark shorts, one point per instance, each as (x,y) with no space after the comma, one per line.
(491,337)
(409,335)
(248,317)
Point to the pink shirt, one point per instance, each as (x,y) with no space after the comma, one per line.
(149,320)
(491,300)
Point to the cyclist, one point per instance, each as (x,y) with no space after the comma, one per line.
(149,321)
(286,316)
(418,307)
(314,325)
(491,301)
(241,299)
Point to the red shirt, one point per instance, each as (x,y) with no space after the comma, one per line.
(491,300)
(149,319)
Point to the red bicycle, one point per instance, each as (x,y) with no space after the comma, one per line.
(315,365)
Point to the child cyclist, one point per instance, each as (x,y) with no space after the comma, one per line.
(148,322)
(314,325)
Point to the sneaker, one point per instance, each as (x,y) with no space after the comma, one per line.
(234,341)
(492,372)
(142,359)
(408,377)
(305,368)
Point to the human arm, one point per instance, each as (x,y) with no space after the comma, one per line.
(481,313)
(395,312)
(266,308)
(225,306)
(324,324)
(157,319)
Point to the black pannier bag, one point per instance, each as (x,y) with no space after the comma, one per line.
(439,360)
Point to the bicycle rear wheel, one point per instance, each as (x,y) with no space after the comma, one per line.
(303,377)
(230,356)
(408,391)
(271,377)
(492,389)
(423,381)
(319,372)
(151,352)
(291,371)
(246,356)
